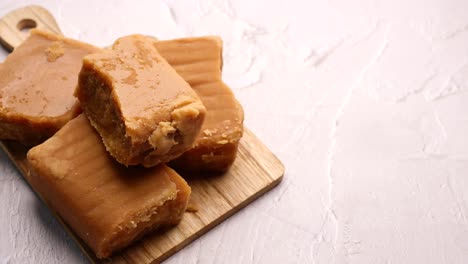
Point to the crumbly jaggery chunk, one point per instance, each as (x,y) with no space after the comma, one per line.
(199,61)
(144,111)
(37,82)
(106,204)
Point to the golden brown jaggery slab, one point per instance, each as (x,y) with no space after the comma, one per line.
(37,82)
(144,111)
(107,205)
(199,61)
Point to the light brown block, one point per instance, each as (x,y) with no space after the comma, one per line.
(37,82)
(199,62)
(145,112)
(106,204)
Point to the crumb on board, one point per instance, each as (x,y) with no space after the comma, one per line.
(192,207)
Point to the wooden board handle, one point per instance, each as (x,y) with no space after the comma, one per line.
(14,25)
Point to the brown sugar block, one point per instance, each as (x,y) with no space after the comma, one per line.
(199,61)
(144,111)
(37,82)
(106,204)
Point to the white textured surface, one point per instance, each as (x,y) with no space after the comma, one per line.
(365,102)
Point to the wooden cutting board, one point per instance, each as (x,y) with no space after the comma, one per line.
(255,171)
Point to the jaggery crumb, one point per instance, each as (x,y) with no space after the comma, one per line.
(54,51)
(207,132)
(192,207)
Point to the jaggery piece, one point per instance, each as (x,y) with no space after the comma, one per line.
(106,204)
(37,82)
(144,111)
(199,61)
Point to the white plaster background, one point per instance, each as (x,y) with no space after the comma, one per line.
(365,102)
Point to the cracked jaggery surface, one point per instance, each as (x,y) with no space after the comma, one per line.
(199,61)
(145,112)
(107,204)
(37,82)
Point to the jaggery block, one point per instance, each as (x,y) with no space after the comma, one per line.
(144,111)
(199,61)
(37,82)
(107,205)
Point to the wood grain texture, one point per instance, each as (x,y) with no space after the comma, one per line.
(13,25)
(255,171)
